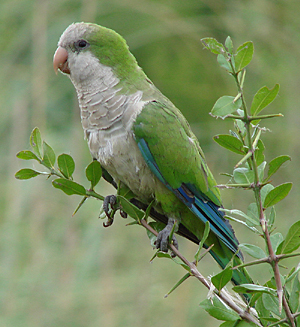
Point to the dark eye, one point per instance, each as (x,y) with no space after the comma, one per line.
(81,44)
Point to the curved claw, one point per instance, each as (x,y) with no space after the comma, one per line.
(109,202)
(123,214)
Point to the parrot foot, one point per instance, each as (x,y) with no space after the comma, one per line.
(109,208)
(162,240)
(108,204)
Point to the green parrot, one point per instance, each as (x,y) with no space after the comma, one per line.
(143,141)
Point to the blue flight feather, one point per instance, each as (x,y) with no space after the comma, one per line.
(198,203)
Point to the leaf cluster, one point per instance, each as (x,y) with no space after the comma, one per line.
(253,172)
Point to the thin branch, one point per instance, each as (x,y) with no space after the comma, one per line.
(294,315)
(225,297)
(266,260)
(252,118)
(256,188)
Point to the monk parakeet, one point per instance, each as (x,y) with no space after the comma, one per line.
(142,140)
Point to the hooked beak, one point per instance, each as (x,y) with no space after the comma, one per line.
(60,61)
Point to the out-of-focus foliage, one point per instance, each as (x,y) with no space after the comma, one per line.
(62,271)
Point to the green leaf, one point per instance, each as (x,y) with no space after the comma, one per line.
(213,45)
(263,98)
(222,278)
(225,106)
(244,55)
(254,222)
(49,156)
(218,310)
(130,209)
(243,175)
(230,142)
(229,44)
(252,288)
(262,311)
(148,210)
(259,152)
(240,127)
(252,212)
(229,323)
(265,190)
(26,173)
(203,239)
(36,142)
(185,277)
(66,165)
(292,240)
(93,172)
(125,191)
(224,63)
(178,261)
(261,170)
(238,323)
(293,273)
(276,239)
(272,217)
(80,205)
(271,303)
(276,163)
(253,250)
(69,187)
(277,194)
(27,155)
(294,299)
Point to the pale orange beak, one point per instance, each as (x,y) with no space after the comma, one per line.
(60,61)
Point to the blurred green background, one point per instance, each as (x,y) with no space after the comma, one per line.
(59,270)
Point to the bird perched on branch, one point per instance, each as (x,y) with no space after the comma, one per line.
(142,140)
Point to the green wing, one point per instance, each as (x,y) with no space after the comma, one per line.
(173,154)
(175,149)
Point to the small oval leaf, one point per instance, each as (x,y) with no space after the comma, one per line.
(243,175)
(223,62)
(225,106)
(277,194)
(230,142)
(276,163)
(253,250)
(252,212)
(229,44)
(218,310)
(69,187)
(26,173)
(36,142)
(292,240)
(252,288)
(276,239)
(222,278)
(27,155)
(66,165)
(265,190)
(263,98)
(49,155)
(94,172)
(244,55)
(259,152)
(213,45)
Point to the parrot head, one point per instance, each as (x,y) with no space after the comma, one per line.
(85,48)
